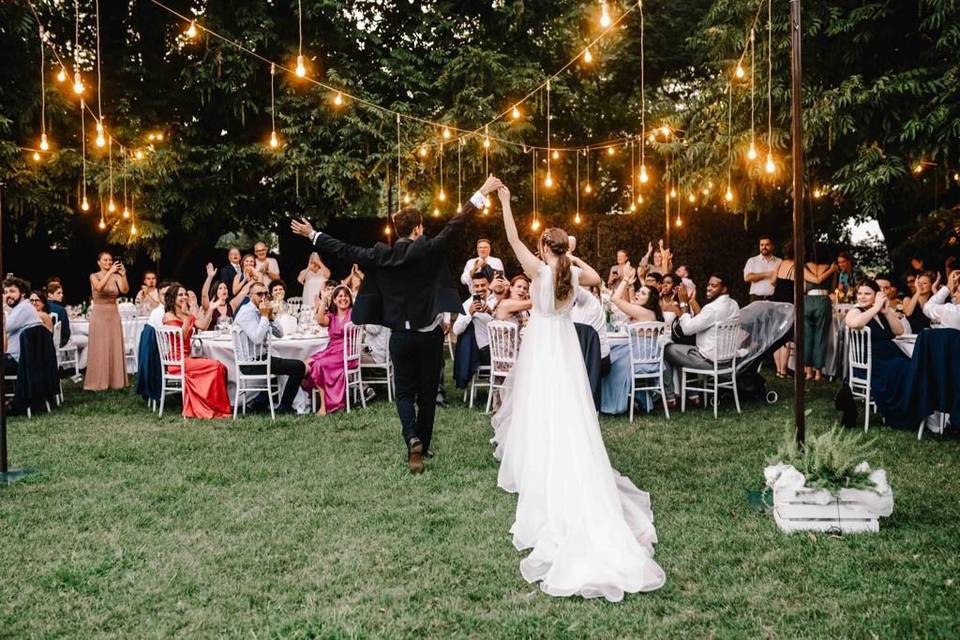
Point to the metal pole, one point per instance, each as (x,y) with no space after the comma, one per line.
(4,465)
(798,223)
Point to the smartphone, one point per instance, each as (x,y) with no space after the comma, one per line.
(497,274)
(477,297)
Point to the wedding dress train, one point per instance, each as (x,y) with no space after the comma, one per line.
(590,529)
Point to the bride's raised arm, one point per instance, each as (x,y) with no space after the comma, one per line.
(529,262)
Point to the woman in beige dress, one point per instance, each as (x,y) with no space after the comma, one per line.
(106,367)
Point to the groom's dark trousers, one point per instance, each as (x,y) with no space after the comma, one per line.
(417,357)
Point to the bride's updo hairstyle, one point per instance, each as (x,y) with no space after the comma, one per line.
(555,241)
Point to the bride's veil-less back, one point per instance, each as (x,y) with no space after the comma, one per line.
(590,529)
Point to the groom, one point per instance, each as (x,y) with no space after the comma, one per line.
(407,287)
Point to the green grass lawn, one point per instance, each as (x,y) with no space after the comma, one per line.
(312,527)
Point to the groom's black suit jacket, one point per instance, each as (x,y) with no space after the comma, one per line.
(404,286)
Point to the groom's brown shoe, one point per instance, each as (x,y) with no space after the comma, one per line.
(415,458)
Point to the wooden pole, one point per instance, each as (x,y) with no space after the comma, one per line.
(798,222)
(4,464)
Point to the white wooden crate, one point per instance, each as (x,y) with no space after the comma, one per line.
(798,511)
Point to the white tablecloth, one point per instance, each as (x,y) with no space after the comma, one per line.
(81,327)
(220,347)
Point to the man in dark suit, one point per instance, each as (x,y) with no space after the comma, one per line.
(407,287)
(231,269)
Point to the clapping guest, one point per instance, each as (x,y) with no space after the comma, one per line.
(148,298)
(255,321)
(55,305)
(944,305)
(106,365)
(248,274)
(623,259)
(221,303)
(683,272)
(886,285)
(484,261)
(516,304)
(662,260)
(267,268)
(205,379)
(277,290)
(39,301)
(913,306)
(325,368)
(645,307)
(354,280)
(669,302)
(313,278)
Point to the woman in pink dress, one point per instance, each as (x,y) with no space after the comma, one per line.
(106,365)
(325,368)
(205,380)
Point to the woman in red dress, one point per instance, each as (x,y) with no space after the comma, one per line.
(205,380)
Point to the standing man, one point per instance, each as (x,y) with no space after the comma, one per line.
(268,268)
(484,261)
(232,268)
(616,271)
(761,271)
(407,288)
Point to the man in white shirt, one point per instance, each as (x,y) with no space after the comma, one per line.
(938,309)
(761,271)
(588,310)
(21,315)
(254,321)
(484,261)
(377,341)
(699,322)
(268,268)
(155,319)
(478,310)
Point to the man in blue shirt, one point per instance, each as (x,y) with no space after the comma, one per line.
(21,315)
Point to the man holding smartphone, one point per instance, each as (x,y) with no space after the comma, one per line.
(477,313)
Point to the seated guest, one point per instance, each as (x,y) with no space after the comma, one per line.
(313,278)
(325,368)
(516,304)
(698,322)
(148,297)
(223,305)
(889,363)
(39,301)
(939,309)
(277,289)
(232,269)
(205,380)
(644,307)
(254,321)
(21,315)
(669,303)
(683,272)
(652,279)
(477,313)
(910,280)
(377,344)
(267,268)
(248,274)
(913,306)
(662,260)
(155,319)
(848,275)
(55,304)
(588,310)
(623,259)
(886,285)
(499,287)
(484,261)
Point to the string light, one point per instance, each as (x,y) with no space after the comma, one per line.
(126,211)
(274,141)
(644,178)
(338,101)
(556,155)
(44,145)
(576,218)
(446,133)
(770,166)
(515,114)
(587,56)
(191,31)
(548,181)
(673,192)
(442,196)
(692,198)
(728,196)
(918,168)
(138,154)
(84,204)
(752,151)
(665,130)
(62,75)
(78,87)
(739,73)
(301,70)
(817,193)
(588,189)
(423,151)
(386,230)
(436,212)
(36,156)
(111,205)
(460,176)
(535,223)
(610,151)
(604,15)
(101,141)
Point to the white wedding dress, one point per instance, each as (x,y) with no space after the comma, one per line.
(590,529)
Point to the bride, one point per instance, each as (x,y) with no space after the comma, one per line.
(590,529)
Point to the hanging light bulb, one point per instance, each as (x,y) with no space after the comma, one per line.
(191,31)
(610,151)
(133,229)
(673,192)
(548,181)
(274,142)
(446,133)
(151,137)
(691,198)
(78,83)
(111,206)
(101,140)
(556,154)
(102,225)
(739,73)
(770,167)
(486,142)
(643,174)
(442,196)
(62,75)
(85,204)
(728,196)
(436,212)
(535,224)
(640,198)
(44,145)
(386,230)
(36,156)
(918,168)
(706,191)
(338,101)
(665,130)
(604,15)
(159,136)
(138,155)
(126,213)
(576,218)
(752,152)
(301,70)
(587,56)
(423,151)
(679,221)
(817,194)
(406,198)
(633,207)
(515,114)
(588,188)
(460,207)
